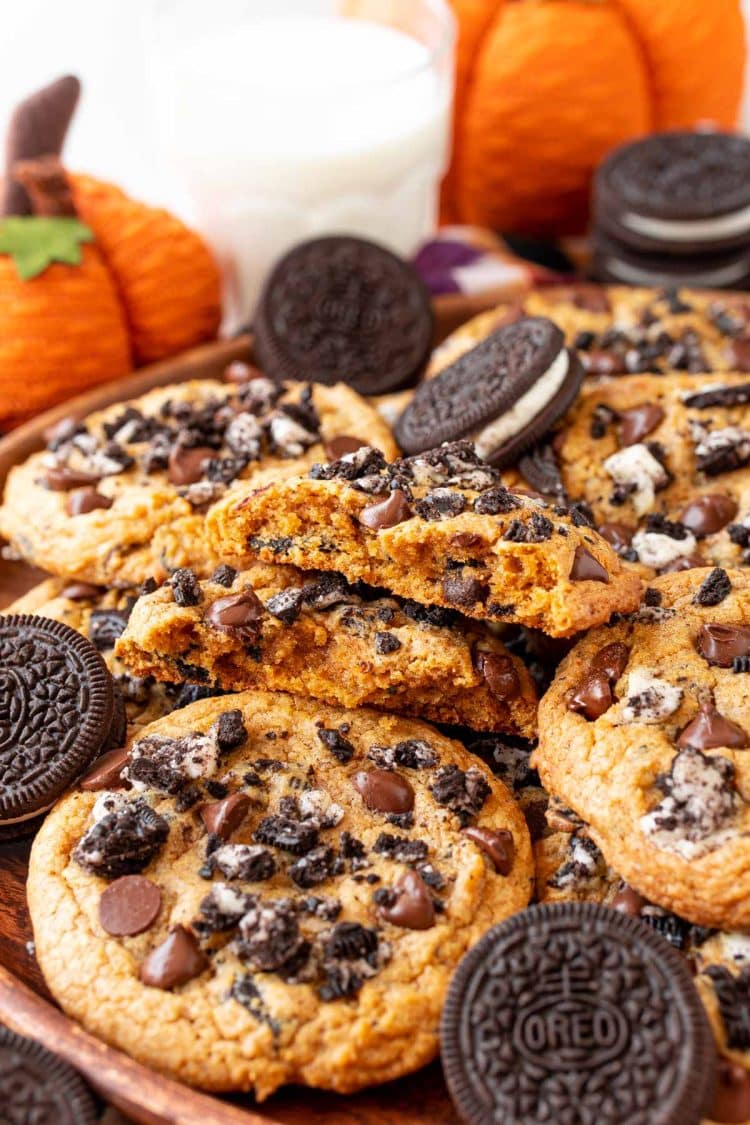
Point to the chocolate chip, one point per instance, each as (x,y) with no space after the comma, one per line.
(187,464)
(618,535)
(635,424)
(628,901)
(81,591)
(186,589)
(106,771)
(412,907)
(338,446)
(384,790)
(464,792)
(387,513)
(176,961)
(334,740)
(652,597)
(684,562)
(499,674)
(731,1101)
(587,568)
(722,644)
(709,730)
(295,836)
(129,906)
(738,354)
(612,660)
(239,614)
(223,817)
(123,842)
(386,643)
(498,844)
(708,514)
(593,697)
(86,500)
(62,479)
(714,589)
(464,591)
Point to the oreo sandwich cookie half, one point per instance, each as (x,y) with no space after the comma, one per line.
(58,711)
(680,193)
(36,1086)
(504,394)
(617,264)
(575,1012)
(343,310)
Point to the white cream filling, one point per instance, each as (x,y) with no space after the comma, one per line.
(493,436)
(636,467)
(657,550)
(689,230)
(637,275)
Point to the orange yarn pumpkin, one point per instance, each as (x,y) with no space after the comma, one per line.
(546,87)
(60,333)
(165,274)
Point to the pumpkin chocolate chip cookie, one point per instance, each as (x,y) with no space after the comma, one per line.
(281,895)
(645,735)
(661,464)
(619,330)
(277,628)
(440,528)
(121,496)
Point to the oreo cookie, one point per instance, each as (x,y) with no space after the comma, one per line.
(36,1086)
(58,710)
(504,394)
(681,193)
(344,310)
(576,1012)
(618,264)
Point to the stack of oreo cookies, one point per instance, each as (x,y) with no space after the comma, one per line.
(674,209)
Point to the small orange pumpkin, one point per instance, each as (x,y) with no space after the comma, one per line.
(91,281)
(544,88)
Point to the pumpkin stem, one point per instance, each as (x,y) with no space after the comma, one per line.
(46,185)
(37,127)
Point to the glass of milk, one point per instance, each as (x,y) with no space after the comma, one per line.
(286,119)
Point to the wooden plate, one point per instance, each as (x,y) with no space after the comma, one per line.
(25,1004)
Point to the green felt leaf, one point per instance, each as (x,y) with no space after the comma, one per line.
(34,242)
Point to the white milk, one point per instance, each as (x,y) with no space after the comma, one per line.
(296,125)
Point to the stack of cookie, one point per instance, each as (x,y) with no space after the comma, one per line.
(274,877)
(674,209)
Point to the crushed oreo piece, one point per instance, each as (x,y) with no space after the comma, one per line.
(249,862)
(320,906)
(440,504)
(286,605)
(537,530)
(269,934)
(123,842)
(106,626)
(386,643)
(246,992)
(496,502)
(699,804)
(436,616)
(400,848)
(230,730)
(224,575)
(733,995)
(363,462)
(313,868)
(462,791)
(186,589)
(221,910)
(714,589)
(334,740)
(295,836)
(413,753)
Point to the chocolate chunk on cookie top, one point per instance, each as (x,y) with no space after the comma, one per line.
(278,871)
(542,1024)
(658,704)
(341,309)
(57,712)
(38,1087)
(504,394)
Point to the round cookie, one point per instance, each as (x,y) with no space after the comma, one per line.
(683,193)
(341,309)
(513,1043)
(504,394)
(102,615)
(643,735)
(617,263)
(122,496)
(38,1087)
(618,330)
(58,711)
(317,883)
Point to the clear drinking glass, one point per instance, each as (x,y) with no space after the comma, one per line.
(285,119)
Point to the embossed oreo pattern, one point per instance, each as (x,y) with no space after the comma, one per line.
(35,1086)
(575,1012)
(56,710)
